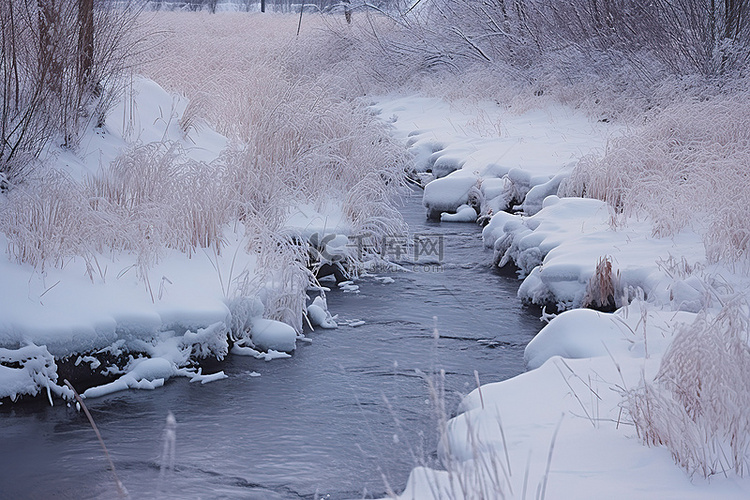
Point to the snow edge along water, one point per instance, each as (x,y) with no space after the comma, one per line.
(109,323)
(562,429)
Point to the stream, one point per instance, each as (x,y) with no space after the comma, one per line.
(348,416)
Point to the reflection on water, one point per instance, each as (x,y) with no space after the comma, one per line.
(346,414)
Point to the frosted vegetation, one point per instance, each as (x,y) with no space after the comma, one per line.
(270,139)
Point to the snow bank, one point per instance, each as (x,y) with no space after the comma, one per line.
(178,308)
(505,156)
(448,193)
(580,333)
(561,430)
(557,251)
(500,443)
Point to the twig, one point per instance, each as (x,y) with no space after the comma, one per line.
(120,487)
(549,458)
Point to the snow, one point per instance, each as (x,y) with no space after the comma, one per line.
(557,250)
(180,308)
(318,314)
(149,373)
(596,453)
(466,144)
(464,213)
(268,334)
(569,405)
(579,333)
(558,427)
(448,193)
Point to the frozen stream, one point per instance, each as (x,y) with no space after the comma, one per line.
(313,426)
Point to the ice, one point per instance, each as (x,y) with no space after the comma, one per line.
(348,286)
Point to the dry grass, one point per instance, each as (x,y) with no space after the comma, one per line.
(603,287)
(686,167)
(697,405)
(296,138)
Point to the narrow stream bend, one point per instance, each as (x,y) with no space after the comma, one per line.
(343,413)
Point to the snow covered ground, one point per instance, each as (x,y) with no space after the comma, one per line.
(565,429)
(483,154)
(105,304)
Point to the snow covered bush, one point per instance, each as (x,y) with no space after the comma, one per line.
(698,406)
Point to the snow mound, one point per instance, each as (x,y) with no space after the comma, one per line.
(464,213)
(557,250)
(580,333)
(448,193)
(318,314)
(268,334)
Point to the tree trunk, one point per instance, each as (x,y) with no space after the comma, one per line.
(85,43)
(50,69)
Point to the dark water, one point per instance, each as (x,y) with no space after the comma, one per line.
(346,414)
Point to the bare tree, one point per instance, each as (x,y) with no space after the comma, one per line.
(53,82)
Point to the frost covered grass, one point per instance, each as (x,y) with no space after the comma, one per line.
(686,167)
(301,134)
(697,404)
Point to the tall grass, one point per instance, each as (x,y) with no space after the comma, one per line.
(685,167)
(296,138)
(302,134)
(697,404)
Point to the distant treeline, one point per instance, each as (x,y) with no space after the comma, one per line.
(268,5)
